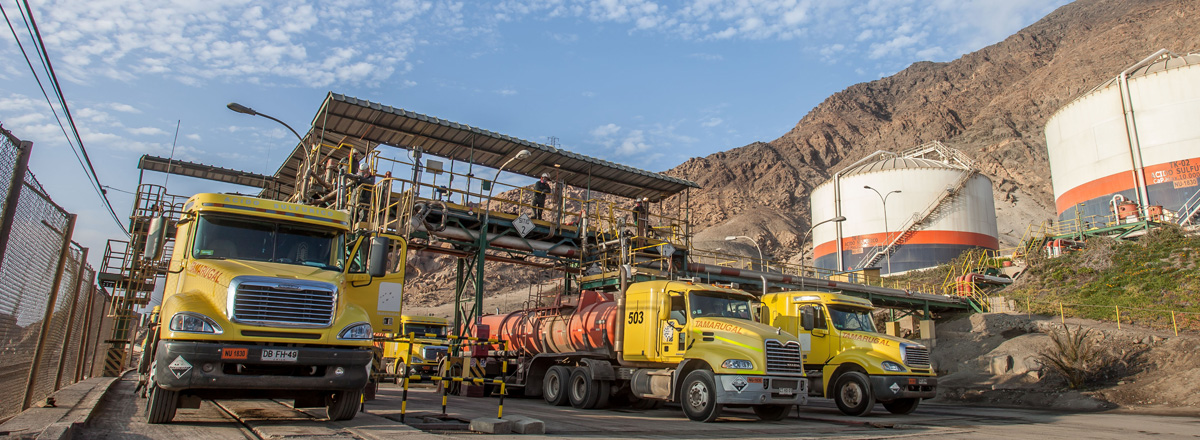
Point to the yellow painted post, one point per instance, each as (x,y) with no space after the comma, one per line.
(1118,316)
(1176,327)
(503,390)
(1062,316)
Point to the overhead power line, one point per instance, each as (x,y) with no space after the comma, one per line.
(77,146)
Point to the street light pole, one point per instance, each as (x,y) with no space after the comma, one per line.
(886,232)
(837,219)
(762,261)
(249,111)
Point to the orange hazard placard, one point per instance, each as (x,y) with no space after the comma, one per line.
(234,353)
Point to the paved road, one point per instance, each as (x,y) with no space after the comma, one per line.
(120,417)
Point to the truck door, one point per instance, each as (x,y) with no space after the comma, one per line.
(380,296)
(673,335)
(824,344)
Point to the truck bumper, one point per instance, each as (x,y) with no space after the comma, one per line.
(208,365)
(902,387)
(735,389)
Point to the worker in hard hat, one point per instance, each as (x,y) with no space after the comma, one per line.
(641,217)
(540,189)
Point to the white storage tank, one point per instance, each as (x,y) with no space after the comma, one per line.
(1134,138)
(943,207)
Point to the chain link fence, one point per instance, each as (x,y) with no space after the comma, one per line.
(52,314)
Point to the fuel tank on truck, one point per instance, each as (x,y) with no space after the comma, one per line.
(581,323)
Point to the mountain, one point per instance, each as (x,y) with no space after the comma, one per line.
(992,104)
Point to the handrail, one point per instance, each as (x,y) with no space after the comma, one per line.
(917,221)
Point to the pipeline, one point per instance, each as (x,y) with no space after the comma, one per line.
(815,282)
(505,241)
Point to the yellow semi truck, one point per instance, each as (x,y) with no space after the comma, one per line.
(657,341)
(268,299)
(846,358)
(425,353)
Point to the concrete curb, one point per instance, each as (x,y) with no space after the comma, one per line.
(74,407)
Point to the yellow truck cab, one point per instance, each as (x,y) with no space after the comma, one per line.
(268,299)
(425,353)
(715,355)
(846,358)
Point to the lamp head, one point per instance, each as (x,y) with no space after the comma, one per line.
(731,238)
(840,218)
(241,108)
(523,154)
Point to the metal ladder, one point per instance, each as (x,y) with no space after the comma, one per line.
(1189,209)
(912,225)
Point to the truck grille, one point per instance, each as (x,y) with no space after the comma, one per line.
(784,358)
(282,303)
(916,356)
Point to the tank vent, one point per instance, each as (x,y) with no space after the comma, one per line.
(784,358)
(916,356)
(282,303)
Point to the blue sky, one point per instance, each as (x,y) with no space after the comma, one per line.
(645,83)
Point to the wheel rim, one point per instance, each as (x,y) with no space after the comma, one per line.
(554,386)
(579,388)
(698,395)
(852,394)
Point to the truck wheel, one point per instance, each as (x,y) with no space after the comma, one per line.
(554,385)
(902,406)
(699,397)
(772,413)
(583,392)
(343,405)
(605,393)
(161,405)
(852,393)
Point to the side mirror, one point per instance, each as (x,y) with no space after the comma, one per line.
(377,261)
(807,319)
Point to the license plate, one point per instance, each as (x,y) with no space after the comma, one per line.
(786,391)
(270,355)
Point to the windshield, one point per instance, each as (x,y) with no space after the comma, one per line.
(718,305)
(247,239)
(851,318)
(419,329)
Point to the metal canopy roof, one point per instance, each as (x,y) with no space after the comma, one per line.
(202,171)
(365,124)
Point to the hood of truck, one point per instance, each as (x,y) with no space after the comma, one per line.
(224,271)
(720,339)
(884,345)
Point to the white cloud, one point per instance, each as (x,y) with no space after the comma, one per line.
(707,56)
(193,137)
(506,92)
(606,130)
(632,144)
(124,108)
(147,131)
(711,122)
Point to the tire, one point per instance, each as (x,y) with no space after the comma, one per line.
(554,385)
(699,396)
(605,393)
(853,395)
(772,413)
(161,404)
(902,406)
(582,391)
(343,405)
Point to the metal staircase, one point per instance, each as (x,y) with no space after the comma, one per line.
(917,221)
(1190,208)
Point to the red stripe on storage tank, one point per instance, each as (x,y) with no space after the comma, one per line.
(1179,170)
(919,237)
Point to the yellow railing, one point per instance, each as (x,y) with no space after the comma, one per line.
(1121,315)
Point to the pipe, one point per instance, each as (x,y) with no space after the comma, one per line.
(619,334)
(504,241)
(817,282)
(1131,135)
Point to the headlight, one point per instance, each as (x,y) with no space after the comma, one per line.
(892,366)
(737,364)
(190,322)
(357,331)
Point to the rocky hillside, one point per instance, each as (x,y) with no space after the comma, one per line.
(992,104)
